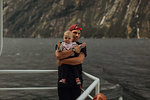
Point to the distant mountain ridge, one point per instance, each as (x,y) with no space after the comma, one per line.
(98,18)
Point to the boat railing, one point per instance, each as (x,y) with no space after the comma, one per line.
(83,96)
(95,84)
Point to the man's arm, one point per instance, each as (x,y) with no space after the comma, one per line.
(63,54)
(74,60)
(67,53)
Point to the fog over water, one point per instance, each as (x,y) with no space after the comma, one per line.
(118,61)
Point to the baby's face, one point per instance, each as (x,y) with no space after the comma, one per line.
(67,39)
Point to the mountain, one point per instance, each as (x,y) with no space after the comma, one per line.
(98,18)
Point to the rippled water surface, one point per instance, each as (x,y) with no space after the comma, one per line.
(119,61)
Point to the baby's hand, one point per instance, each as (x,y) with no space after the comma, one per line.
(83,45)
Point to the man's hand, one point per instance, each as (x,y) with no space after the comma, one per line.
(83,45)
(77,48)
(59,63)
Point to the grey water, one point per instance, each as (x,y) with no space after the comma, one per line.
(118,61)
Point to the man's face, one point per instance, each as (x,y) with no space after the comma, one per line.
(76,35)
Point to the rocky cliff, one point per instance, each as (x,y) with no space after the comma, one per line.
(98,18)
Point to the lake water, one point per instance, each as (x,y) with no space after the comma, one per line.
(118,61)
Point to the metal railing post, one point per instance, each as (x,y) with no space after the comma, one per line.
(97,88)
(94,85)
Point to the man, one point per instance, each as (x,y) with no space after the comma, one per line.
(70,90)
